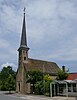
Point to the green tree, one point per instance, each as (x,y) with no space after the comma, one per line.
(33,77)
(48,80)
(10,83)
(40,81)
(39,87)
(43,86)
(62,75)
(4,77)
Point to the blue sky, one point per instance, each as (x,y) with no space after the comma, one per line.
(51,31)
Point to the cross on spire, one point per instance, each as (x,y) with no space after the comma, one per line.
(24,10)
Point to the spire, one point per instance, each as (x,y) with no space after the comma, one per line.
(23,43)
(23,37)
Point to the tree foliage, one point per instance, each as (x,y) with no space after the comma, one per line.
(40,81)
(39,87)
(62,75)
(47,81)
(7,79)
(47,78)
(10,83)
(34,76)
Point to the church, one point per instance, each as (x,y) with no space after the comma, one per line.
(28,64)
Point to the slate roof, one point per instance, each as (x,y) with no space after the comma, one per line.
(23,36)
(43,66)
(23,44)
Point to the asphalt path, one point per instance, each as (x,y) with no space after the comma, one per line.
(9,97)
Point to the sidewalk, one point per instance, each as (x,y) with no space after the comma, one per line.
(64,98)
(41,97)
(37,97)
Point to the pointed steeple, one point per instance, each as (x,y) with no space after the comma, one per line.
(23,37)
(23,43)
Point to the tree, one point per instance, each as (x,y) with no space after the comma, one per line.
(43,86)
(10,83)
(48,80)
(40,81)
(33,77)
(5,76)
(39,87)
(62,75)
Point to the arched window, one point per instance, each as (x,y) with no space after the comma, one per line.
(24,58)
(19,86)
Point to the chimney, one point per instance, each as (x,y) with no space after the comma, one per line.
(63,68)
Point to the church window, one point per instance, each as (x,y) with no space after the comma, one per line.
(19,87)
(23,51)
(24,58)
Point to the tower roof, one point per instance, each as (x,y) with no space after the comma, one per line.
(23,43)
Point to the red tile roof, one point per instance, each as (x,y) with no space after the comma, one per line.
(72,76)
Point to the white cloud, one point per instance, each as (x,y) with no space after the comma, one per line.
(51,29)
(8,64)
(3,44)
(64,55)
(9,20)
(42,9)
(68,10)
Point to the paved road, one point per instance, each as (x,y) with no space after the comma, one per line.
(4,96)
(7,97)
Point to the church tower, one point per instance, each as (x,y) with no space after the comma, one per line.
(23,49)
(22,60)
